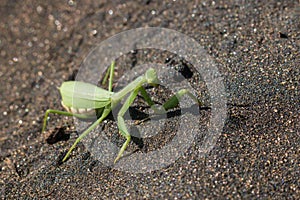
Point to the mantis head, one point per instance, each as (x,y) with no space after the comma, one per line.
(151,77)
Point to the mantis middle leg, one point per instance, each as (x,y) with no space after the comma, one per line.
(121,122)
(171,103)
(106,111)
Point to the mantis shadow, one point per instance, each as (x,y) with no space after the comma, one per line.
(137,114)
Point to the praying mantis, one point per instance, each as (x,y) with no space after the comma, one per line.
(82,100)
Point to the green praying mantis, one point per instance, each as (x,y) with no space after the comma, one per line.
(82,100)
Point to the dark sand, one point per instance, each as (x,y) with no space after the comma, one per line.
(256,46)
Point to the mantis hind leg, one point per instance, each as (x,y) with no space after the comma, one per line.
(59,112)
(121,122)
(110,73)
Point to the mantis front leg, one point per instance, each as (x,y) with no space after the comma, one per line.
(171,103)
(174,100)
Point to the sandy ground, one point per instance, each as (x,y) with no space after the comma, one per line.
(256,46)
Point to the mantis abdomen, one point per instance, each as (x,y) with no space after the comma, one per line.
(85,111)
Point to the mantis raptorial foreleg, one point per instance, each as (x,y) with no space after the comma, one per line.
(174,100)
(121,122)
(106,111)
(146,96)
(149,101)
(171,103)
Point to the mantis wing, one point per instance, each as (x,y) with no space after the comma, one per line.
(78,94)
